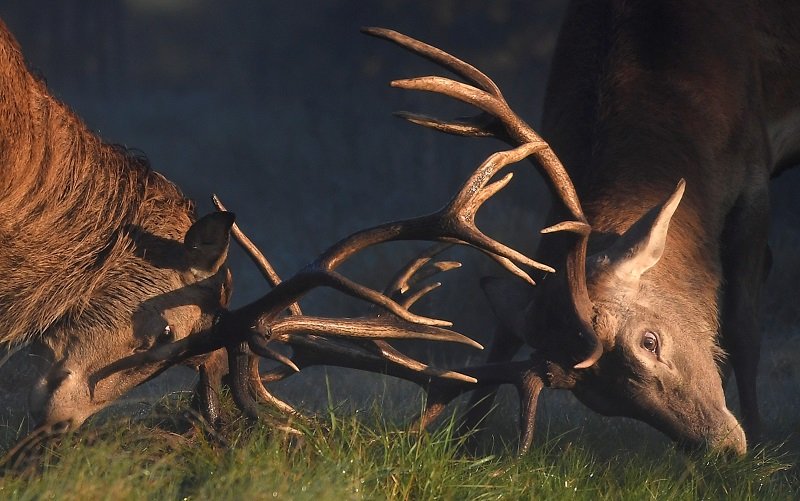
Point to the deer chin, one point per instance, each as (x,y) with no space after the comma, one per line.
(710,428)
(722,434)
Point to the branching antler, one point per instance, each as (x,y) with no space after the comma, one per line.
(361,343)
(497,119)
(336,341)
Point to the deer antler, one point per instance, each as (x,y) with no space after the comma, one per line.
(319,340)
(455,222)
(371,355)
(497,119)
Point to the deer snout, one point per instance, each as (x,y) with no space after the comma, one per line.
(61,396)
(729,437)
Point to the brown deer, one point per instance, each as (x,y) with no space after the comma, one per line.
(644,97)
(111,278)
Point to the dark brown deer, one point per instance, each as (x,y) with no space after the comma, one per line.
(111,279)
(644,97)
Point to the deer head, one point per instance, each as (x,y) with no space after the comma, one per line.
(165,290)
(602,327)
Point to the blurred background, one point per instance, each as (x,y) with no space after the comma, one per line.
(283,109)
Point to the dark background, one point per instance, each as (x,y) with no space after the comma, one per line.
(283,109)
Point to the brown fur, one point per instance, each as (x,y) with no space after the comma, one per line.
(91,251)
(71,211)
(643,93)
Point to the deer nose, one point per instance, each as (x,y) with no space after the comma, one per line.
(729,438)
(43,389)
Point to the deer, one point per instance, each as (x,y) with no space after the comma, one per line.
(111,277)
(671,118)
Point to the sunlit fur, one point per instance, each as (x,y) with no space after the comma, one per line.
(91,252)
(71,211)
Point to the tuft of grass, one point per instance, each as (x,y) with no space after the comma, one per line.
(340,457)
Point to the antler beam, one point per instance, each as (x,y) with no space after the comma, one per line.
(497,119)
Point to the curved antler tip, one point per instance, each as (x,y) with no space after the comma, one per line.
(591,359)
(217,202)
(373,30)
(408,115)
(475,344)
(578,227)
(457,376)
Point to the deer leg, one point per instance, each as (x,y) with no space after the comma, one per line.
(206,393)
(529,377)
(745,262)
(504,347)
(528,390)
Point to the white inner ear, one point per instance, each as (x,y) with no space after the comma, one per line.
(642,245)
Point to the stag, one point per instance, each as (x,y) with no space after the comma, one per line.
(111,278)
(672,119)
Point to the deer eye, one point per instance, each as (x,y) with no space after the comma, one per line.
(650,342)
(166,335)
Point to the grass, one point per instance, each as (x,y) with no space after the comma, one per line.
(159,456)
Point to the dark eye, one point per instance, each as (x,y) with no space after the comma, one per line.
(166,335)
(650,342)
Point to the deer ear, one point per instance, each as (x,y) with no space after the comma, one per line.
(509,299)
(206,243)
(642,245)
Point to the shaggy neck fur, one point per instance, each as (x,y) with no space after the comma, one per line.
(78,217)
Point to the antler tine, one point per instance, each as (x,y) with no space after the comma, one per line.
(486,96)
(481,125)
(288,328)
(464,206)
(260,347)
(313,350)
(529,377)
(400,289)
(256,255)
(412,298)
(265,395)
(499,120)
(391,354)
(409,274)
(438,56)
